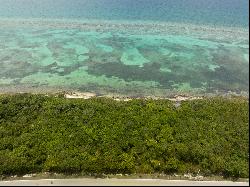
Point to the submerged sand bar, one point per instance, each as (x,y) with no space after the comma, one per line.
(136,26)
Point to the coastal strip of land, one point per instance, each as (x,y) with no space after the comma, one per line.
(96,136)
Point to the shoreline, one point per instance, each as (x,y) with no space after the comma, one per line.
(120,97)
(175,97)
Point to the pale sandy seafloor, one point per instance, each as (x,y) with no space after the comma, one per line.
(132,59)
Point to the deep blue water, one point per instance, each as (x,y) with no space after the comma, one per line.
(219,12)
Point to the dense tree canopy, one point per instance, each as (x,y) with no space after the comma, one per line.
(99,135)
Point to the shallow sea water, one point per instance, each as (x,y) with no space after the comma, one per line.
(124,57)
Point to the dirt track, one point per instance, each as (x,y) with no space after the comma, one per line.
(118,182)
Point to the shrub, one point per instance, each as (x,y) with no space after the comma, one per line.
(99,135)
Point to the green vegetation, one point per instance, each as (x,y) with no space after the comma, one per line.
(44,133)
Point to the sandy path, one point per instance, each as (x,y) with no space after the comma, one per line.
(118,182)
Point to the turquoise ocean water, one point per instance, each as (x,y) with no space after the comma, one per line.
(125,47)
